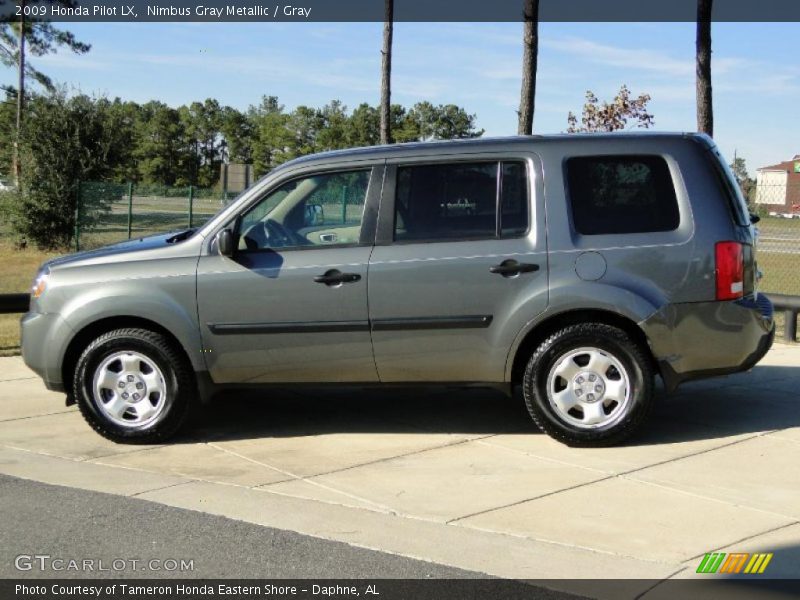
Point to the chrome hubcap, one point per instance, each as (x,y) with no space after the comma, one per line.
(589,388)
(129,389)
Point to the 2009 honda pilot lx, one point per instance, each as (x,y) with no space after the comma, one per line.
(579,267)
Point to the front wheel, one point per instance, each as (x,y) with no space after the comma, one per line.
(133,385)
(589,385)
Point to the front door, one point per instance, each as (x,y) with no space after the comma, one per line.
(459,267)
(291,304)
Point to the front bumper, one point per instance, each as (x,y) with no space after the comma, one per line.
(43,336)
(708,339)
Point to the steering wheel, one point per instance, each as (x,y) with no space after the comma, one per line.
(278,235)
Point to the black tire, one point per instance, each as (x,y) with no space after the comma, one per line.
(610,340)
(178,379)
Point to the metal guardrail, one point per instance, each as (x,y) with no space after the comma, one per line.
(14,303)
(790,305)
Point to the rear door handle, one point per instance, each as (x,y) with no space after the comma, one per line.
(336,277)
(512,268)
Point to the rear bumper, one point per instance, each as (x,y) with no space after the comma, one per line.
(707,339)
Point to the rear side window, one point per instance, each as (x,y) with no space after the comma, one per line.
(461,201)
(621,194)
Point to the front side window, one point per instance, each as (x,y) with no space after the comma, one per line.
(621,194)
(318,210)
(461,201)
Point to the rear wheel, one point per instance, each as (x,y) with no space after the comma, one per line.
(589,385)
(132,385)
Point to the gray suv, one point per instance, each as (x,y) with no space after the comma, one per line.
(576,267)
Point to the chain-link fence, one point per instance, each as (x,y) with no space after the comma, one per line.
(113,212)
(777,202)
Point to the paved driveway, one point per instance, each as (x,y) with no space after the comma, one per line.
(460,477)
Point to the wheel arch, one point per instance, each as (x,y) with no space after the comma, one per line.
(83,337)
(549,325)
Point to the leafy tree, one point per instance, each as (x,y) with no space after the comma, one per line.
(163,152)
(124,118)
(530,57)
(333,127)
(443,122)
(705,107)
(7,130)
(271,137)
(238,132)
(612,116)
(304,125)
(363,126)
(746,183)
(386,72)
(67,140)
(202,122)
(37,37)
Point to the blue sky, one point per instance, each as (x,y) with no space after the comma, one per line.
(756,77)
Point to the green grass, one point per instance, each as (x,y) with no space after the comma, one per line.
(781,273)
(17,270)
(771,224)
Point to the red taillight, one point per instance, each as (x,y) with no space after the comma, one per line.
(730,270)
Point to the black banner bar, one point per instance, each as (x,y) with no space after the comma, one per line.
(733,588)
(587,11)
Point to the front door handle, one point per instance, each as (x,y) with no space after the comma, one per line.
(336,277)
(512,268)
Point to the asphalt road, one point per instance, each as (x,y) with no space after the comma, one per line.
(40,519)
(70,524)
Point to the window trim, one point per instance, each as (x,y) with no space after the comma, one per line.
(568,192)
(369,216)
(388,209)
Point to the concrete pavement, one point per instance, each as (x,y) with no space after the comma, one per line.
(460,477)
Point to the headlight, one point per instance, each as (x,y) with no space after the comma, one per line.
(40,283)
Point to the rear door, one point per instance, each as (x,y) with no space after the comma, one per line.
(459,267)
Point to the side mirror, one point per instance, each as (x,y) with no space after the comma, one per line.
(225,242)
(314,215)
(754,218)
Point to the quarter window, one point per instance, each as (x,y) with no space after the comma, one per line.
(460,201)
(621,194)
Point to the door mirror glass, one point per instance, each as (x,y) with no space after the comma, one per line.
(225,242)
(314,215)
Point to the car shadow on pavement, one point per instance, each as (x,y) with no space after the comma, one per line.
(759,400)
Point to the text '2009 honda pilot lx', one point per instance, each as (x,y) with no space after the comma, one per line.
(579,267)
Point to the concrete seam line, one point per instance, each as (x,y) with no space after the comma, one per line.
(566,545)
(13,419)
(658,583)
(611,476)
(404,455)
(699,453)
(17,379)
(665,486)
(124,453)
(158,489)
(301,478)
(746,538)
(373,508)
(524,500)
(562,463)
